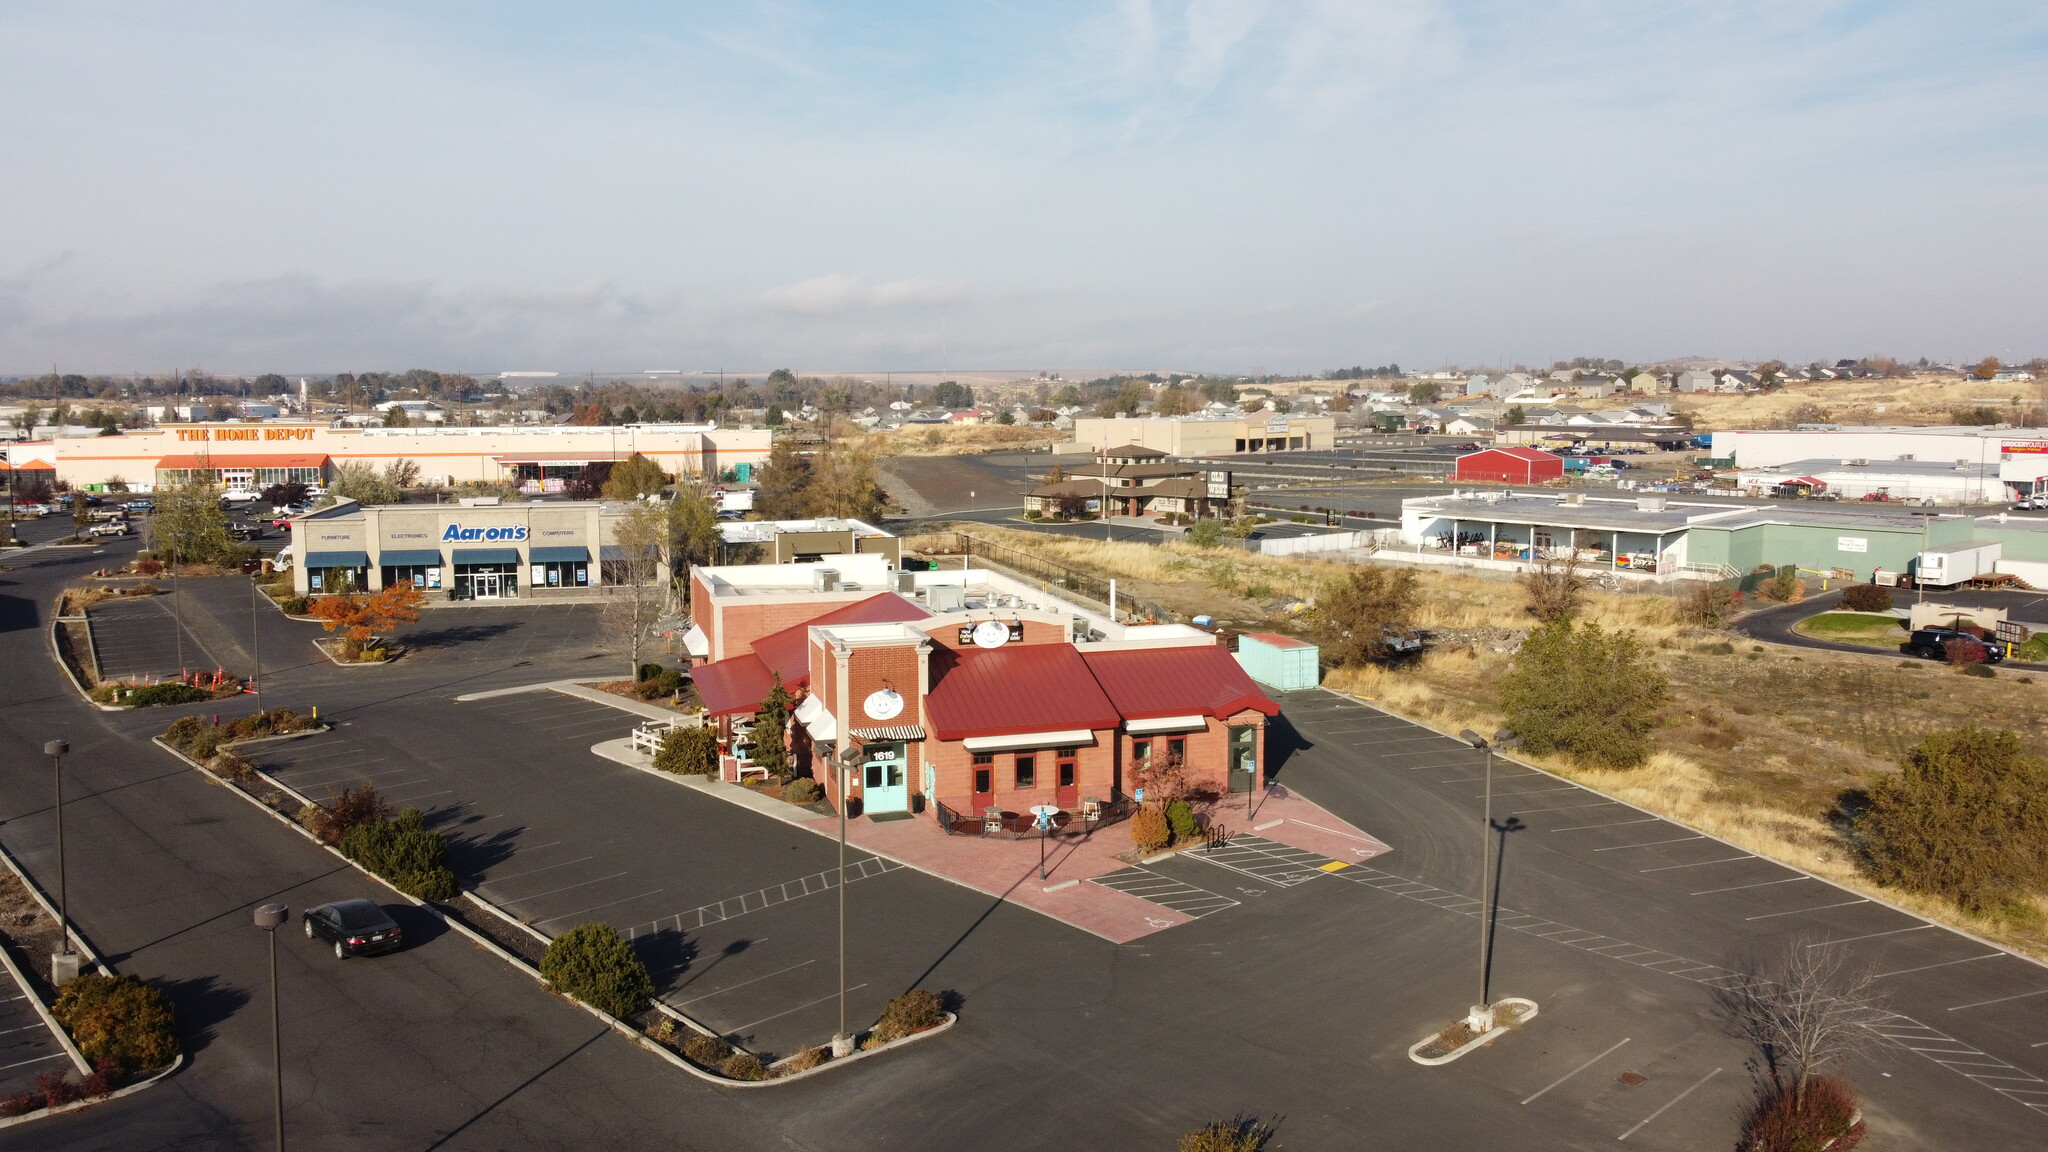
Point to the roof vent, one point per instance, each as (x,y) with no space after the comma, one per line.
(825,580)
(1649,503)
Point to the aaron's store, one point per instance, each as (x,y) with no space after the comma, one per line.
(476,550)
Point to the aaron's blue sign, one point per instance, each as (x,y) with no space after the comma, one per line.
(457,534)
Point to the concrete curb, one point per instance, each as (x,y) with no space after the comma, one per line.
(1676,822)
(340,663)
(600,696)
(57,654)
(1477,1042)
(489,945)
(82,1105)
(28,993)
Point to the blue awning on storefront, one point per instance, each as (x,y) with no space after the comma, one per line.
(487,555)
(337,559)
(558,555)
(410,558)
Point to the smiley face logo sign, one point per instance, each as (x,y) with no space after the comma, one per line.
(884,704)
(991,634)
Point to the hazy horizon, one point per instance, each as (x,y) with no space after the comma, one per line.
(1230,185)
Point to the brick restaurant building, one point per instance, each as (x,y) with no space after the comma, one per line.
(966,691)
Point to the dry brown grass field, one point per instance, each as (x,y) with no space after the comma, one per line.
(953,439)
(1908,400)
(1760,742)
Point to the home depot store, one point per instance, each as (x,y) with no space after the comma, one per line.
(260,454)
(957,708)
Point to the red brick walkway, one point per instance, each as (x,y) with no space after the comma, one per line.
(1008,869)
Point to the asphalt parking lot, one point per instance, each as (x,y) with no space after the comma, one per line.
(734,911)
(141,636)
(1697,910)
(496,633)
(27,1050)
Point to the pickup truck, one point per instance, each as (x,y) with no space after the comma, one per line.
(253,531)
(110,528)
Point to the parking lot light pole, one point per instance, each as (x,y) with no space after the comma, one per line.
(842,1041)
(1481,1018)
(64,961)
(256,644)
(271,917)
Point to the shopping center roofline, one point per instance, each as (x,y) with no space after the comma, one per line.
(1621,515)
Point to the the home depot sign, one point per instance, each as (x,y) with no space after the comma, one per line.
(244,434)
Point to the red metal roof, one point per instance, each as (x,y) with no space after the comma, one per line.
(789,651)
(1148,683)
(735,684)
(1278,641)
(1016,688)
(1517,451)
(225,460)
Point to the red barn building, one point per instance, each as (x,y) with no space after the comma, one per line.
(1508,465)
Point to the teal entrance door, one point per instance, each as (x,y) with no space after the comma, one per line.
(885,786)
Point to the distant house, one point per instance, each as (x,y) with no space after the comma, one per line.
(1132,481)
(1645,384)
(1695,380)
(1477,385)
(1467,426)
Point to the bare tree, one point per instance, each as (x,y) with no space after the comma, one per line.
(1555,585)
(635,595)
(1805,1012)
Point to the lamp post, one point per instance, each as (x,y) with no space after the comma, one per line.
(256,644)
(270,917)
(844,760)
(1481,1017)
(64,961)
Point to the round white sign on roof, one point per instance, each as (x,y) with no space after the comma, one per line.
(884,704)
(991,634)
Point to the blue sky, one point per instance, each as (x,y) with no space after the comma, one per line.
(1222,184)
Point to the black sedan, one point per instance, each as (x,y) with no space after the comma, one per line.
(357,928)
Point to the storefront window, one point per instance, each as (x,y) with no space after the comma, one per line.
(1027,771)
(563,574)
(1177,750)
(1141,751)
(395,575)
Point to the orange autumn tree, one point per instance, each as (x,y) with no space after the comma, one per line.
(359,616)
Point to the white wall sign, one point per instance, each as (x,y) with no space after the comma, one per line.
(1852,544)
(884,704)
(991,634)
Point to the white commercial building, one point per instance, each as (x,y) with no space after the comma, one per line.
(2019,456)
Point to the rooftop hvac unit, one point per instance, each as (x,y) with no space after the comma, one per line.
(825,580)
(906,583)
(946,597)
(1574,499)
(1905,456)
(1649,503)
(1961,465)
(1866,463)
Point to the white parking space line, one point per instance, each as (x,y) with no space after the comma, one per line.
(1610,824)
(1743,887)
(1499,795)
(1576,1071)
(1870,935)
(570,887)
(743,983)
(1675,1099)
(1697,863)
(1567,807)
(37,1060)
(1800,911)
(532,871)
(1496,776)
(2001,999)
(798,1008)
(1943,964)
(1648,844)
(595,907)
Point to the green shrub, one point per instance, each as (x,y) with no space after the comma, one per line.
(593,963)
(1237,1134)
(914,1011)
(802,790)
(405,852)
(1149,830)
(646,672)
(1982,670)
(168,692)
(688,752)
(706,1051)
(1181,820)
(297,605)
(206,743)
(1587,693)
(183,731)
(1867,598)
(1206,534)
(1967,820)
(664,682)
(744,1066)
(119,1019)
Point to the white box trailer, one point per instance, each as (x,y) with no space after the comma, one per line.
(1951,566)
